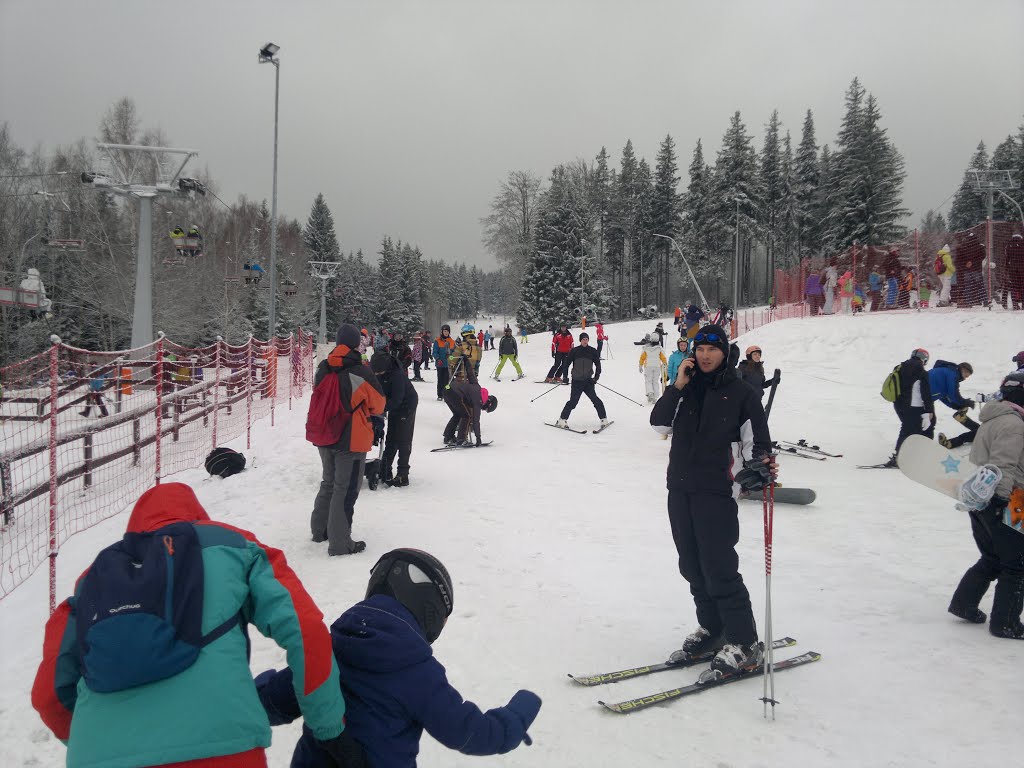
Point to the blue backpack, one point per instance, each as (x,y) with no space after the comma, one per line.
(139,610)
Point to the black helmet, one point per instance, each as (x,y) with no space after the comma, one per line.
(446,327)
(491,404)
(1012,389)
(418,581)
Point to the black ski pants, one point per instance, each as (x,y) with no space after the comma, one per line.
(558,369)
(399,440)
(910,424)
(966,437)
(95,399)
(706,529)
(600,346)
(1002,561)
(583,387)
(442,380)
(416,369)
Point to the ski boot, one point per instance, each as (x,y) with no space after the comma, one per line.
(604,423)
(944,441)
(697,643)
(735,659)
(891,463)
(386,477)
(562,424)
(400,481)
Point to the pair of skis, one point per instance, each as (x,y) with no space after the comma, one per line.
(462,447)
(597,431)
(707,680)
(805,451)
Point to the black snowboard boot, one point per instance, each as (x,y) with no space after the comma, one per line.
(972,587)
(400,481)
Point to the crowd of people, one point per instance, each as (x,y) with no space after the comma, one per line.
(129,647)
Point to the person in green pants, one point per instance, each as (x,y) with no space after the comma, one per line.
(508,351)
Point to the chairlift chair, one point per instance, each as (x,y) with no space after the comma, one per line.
(289,288)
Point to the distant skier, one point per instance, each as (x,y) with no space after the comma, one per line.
(602,337)
(676,358)
(997,528)
(417,357)
(508,351)
(1013,280)
(944,380)
(561,345)
(751,370)
(945,268)
(652,366)
(443,346)
(717,426)
(584,364)
(399,350)
(659,329)
(692,318)
(829,286)
(913,405)
(97,383)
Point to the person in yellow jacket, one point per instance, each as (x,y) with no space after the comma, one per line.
(946,276)
(652,366)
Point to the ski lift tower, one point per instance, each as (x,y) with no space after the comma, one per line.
(324,271)
(127,163)
(989,184)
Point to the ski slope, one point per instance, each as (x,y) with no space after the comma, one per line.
(560,551)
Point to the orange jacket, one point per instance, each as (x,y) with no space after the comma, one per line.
(360,391)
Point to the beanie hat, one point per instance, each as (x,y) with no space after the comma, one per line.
(967,367)
(584,335)
(1012,389)
(348,335)
(713,335)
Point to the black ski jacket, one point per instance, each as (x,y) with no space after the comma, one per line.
(708,420)
(584,363)
(508,346)
(912,371)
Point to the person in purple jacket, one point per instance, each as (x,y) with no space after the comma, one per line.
(394,687)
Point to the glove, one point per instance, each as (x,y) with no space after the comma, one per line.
(755,475)
(596,379)
(968,403)
(926,421)
(552,353)
(378,428)
(519,714)
(345,751)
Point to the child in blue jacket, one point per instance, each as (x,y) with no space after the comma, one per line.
(393,685)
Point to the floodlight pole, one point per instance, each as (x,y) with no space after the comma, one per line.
(142,318)
(267,56)
(736,264)
(324,271)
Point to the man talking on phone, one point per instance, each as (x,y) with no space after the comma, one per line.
(720,444)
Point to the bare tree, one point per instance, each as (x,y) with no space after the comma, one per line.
(509,228)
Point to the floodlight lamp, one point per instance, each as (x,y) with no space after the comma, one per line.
(268,51)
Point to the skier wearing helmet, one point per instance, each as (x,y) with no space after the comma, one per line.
(443,346)
(913,405)
(997,528)
(751,370)
(652,365)
(395,687)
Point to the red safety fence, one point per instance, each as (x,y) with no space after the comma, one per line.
(83,434)
(903,274)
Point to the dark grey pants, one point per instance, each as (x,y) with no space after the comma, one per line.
(335,502)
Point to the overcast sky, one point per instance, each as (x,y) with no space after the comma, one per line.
(406,115)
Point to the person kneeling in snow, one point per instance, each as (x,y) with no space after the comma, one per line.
(393,684)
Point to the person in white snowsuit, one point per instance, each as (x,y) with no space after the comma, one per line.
(831,281)
(34,283)
(652,366)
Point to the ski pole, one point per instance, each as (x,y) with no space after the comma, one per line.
(538,397)
(771,395)
(768,663)
(609,343)
(494,368)
(620,394)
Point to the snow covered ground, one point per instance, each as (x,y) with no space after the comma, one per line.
(560,550)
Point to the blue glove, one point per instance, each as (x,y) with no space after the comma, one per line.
(520,713)
(378,428)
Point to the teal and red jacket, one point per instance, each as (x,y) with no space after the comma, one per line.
(209,715)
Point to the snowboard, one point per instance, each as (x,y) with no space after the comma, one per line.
(785,495)
(926,462)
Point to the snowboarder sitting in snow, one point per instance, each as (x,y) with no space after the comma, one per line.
(751,370)
(584,365)
(998,528)
(717,423)
(944,380)
(652,366)
(394,685)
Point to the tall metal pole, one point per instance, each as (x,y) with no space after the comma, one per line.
(323,311)
(273,213)
(736,264)
(989,259)
(142,319)
(583,252)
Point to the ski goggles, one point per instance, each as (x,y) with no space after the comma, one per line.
(711,338)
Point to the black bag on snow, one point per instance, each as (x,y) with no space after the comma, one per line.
(225,462)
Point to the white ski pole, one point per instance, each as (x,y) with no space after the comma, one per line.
(768,662)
